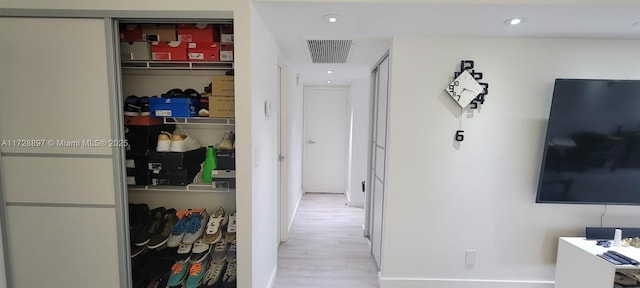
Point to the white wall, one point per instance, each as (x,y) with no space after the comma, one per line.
(359,106)
(264,133)
(443,199)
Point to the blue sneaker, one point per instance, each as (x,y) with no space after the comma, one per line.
(178,231)
(178,273)
(195,227)
(196,273)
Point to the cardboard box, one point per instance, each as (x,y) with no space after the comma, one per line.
(222,85)
(173,162)
(130,32)
(222,107)
(224,179)
(135,51)
(203,51)
(226,160)
(169,51)
(173,107)
(159,32)
(196,33)
(226,52)
(226,33)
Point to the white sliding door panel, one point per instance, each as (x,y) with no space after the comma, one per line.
(58,180)
(63,247)
(379,159)
(54,85)
(57,163)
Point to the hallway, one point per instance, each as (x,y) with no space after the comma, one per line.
(326,247)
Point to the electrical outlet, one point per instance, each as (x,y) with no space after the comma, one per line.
(470,259)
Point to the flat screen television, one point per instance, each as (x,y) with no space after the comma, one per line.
(592,147)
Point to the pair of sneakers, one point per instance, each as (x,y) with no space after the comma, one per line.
(179,142)
(136,106)
(191,265)
(189,227)
(222,269)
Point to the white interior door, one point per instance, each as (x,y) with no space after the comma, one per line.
(378,155)
(325,149)
(61,219)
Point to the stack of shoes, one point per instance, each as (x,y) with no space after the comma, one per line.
(217,220)
(178,142)
(227,142)
(213,277)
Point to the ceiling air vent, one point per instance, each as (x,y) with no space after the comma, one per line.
(329,51)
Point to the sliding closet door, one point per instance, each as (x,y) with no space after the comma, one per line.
(57,175)
(378,158)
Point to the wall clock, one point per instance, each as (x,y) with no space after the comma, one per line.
(466,90)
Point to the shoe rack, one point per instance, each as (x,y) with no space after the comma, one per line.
(153,78)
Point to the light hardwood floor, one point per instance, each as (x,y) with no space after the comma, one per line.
(326,247)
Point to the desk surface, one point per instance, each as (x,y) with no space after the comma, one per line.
(591,247)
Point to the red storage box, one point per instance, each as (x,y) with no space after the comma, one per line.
(196,33)
(203,51)
(169,51)
(130,32)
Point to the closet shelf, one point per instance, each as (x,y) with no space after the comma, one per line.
(200,121)
(176,65)
(202,188)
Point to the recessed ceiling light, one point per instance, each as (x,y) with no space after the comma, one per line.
(331,18)
(329,71)
(515,21)
(329,81)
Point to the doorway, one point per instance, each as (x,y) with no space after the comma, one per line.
(325,146)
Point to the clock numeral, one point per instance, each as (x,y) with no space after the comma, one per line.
(476,75)
(466,64)
(476,101)
(460,135)
(456,74)
(485,88)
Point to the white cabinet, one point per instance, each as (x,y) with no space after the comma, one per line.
(578,264)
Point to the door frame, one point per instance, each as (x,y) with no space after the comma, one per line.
(304,133)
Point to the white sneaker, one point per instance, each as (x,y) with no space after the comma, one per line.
(230,236)
(225,143)
(164,142)
(183,143)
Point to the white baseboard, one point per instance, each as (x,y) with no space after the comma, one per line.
(459,283)
(274,273)
(359,204)
(295,211)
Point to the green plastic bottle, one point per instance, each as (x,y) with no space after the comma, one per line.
(210,164)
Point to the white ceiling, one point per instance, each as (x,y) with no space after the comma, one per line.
(372,25)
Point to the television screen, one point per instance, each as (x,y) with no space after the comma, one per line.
(592,147)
